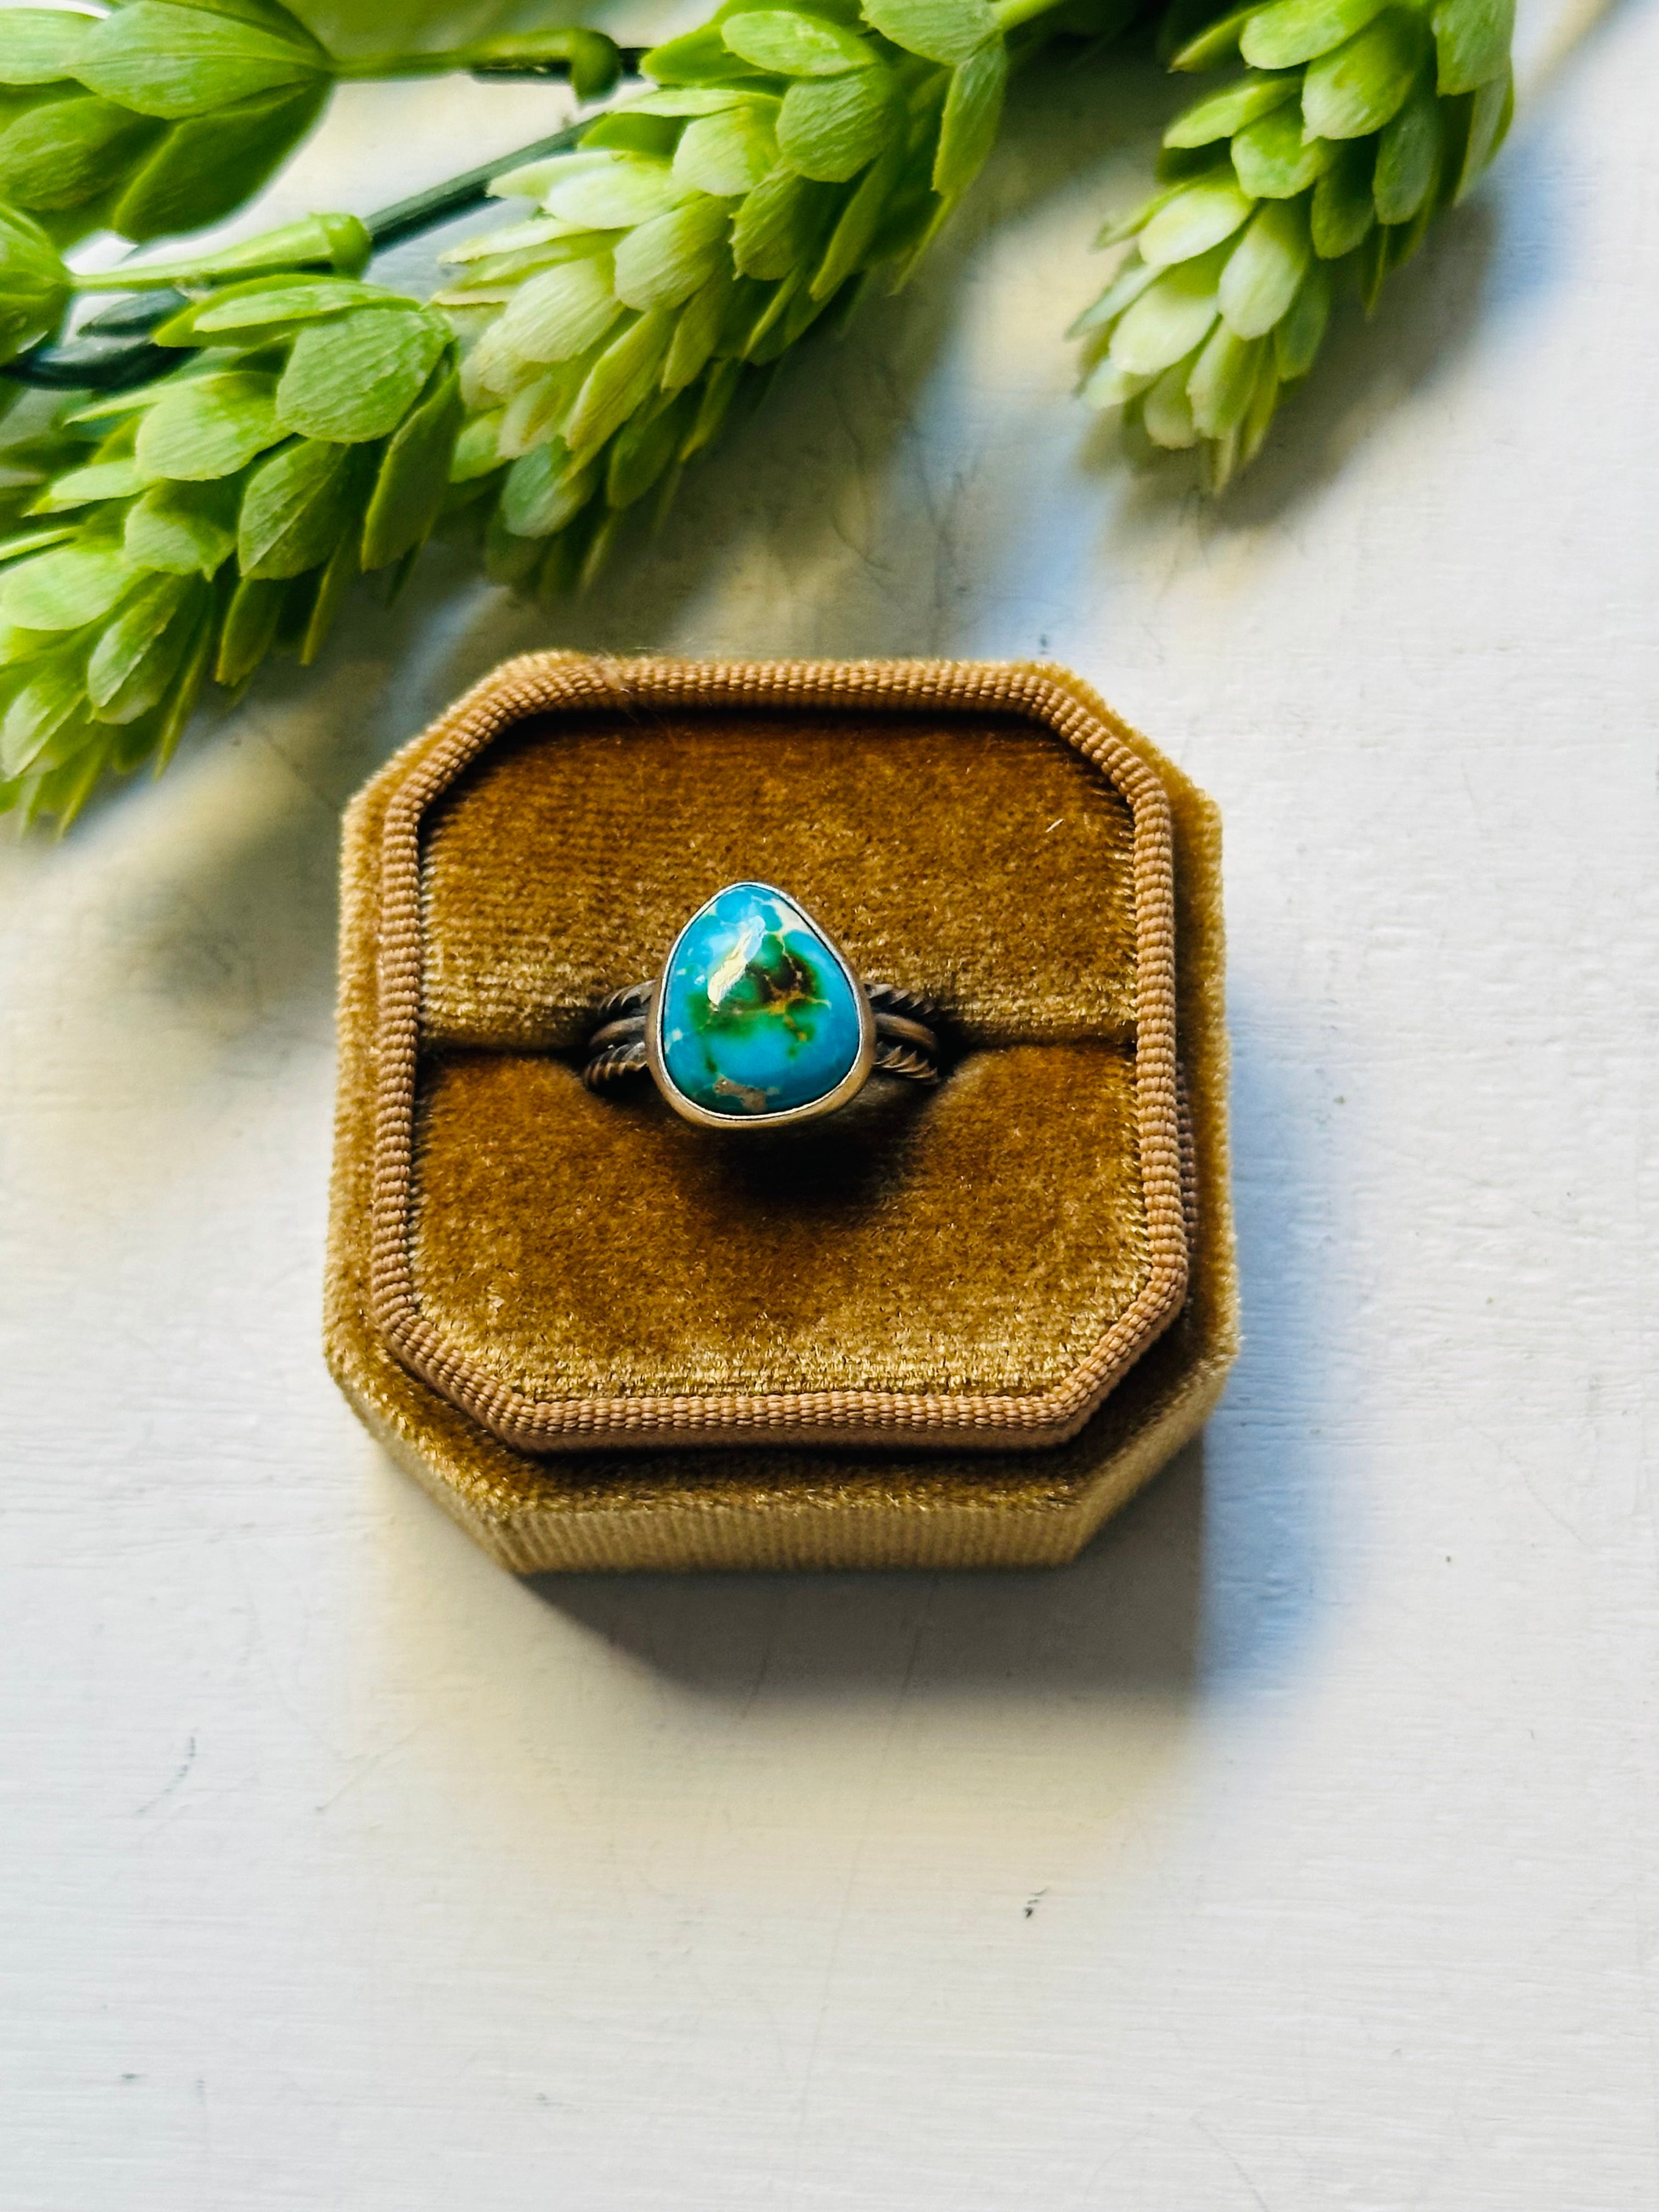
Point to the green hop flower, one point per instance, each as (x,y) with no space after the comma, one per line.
(1353,128)
(164,116)
(181,531)
(788,157)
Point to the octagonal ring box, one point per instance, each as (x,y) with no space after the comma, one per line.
(947,1327)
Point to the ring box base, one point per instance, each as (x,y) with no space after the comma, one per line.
(496,1027)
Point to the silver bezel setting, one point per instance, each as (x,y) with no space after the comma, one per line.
(850,1084)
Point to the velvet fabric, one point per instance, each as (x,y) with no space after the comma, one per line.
(980,1236)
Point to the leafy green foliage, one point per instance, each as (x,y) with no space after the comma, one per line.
(356,375)
(785,44)
(318,426)
(206,166)
(1355,124)
(208,426)
(164,59)
(789,156)
(34,285)
(949,31)
(831,130)
(210,517)
(161,116)
(164,116)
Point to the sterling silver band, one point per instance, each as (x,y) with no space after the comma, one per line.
(907,1045)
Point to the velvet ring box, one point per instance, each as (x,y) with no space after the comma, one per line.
(953,1328)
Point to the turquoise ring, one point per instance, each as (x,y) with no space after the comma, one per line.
(758,1019)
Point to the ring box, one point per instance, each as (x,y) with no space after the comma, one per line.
(957,1328)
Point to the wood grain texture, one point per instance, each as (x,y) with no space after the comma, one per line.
(1294,1850)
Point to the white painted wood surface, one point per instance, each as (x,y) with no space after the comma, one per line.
(1296,1848)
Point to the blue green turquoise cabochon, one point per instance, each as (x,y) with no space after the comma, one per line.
(757,1014)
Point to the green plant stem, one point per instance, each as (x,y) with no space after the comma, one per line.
(456,60)
(440,203)
(84,363)
(165,277)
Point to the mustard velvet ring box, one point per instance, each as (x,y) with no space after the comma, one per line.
(956,1324)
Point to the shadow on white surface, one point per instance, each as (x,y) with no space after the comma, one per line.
(1123,1617)
(1264,1580)
(1430,313)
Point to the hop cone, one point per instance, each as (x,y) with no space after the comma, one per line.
(165,115)
(162,116)
(693,238)
(1350,128)
(182,530)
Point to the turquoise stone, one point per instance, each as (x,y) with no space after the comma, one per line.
(759,1015)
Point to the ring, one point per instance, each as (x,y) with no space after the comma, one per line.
(757,1020)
